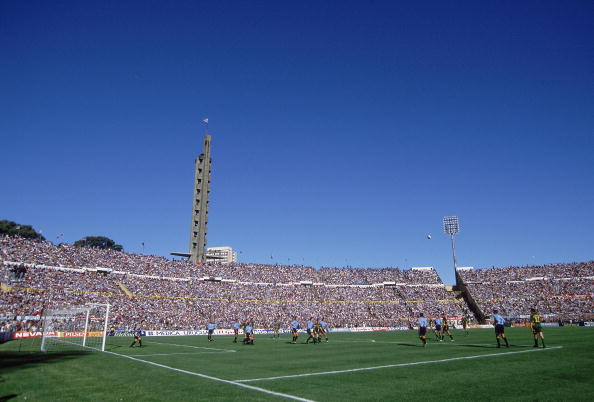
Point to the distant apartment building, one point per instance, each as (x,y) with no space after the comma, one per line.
(225,255)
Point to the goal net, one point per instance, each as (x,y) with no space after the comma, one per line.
(75,327)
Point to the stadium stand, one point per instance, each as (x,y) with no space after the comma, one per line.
(176,294)
(560,292)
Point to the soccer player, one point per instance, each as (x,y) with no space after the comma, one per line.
(249,334)
(210,327)
(275,331)
(446,328)
(422,329)
(324,329)
(437,330)
(465,325)
(499,323)
(310,325)
(295,330)
(236,326)
(536,327)
(138,334)
(316,331)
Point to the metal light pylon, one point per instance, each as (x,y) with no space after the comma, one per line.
(451,226)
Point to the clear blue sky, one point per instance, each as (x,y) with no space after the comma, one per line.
(342,132)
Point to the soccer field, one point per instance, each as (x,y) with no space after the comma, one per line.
(351,366)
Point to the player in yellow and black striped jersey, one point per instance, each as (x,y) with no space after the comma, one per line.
(445,329)
(316,331)
(536,327)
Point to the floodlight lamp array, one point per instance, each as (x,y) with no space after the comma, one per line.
(451,225)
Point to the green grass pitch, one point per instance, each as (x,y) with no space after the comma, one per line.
(351,366)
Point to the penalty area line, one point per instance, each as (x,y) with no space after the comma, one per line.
(207,377)
(396,365)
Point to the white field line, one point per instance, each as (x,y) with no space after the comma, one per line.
(396,365)
(258,389)
(431,342)
(193,347)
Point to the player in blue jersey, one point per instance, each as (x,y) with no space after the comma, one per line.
(236,326)
(323,329)
(295,329)
(499,323)
(422,329)
(249,334)
(437,330)
(310,326)
(210,327)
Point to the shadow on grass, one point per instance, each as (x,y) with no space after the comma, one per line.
(412,345)
(494,346)
(7,397)
(12,360)
(464,345)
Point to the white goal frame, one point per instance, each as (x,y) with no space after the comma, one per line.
(62,312)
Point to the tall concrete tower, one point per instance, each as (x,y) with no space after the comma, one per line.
(199,221)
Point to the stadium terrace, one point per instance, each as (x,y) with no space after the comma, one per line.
(170,295)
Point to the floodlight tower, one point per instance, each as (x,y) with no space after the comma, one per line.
(451,226)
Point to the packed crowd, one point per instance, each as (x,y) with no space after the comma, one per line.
(64,255)
(267,294)
(558,291)
(176,294)
(165,303)
(570,270)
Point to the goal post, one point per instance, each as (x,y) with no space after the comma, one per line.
(75,327)
(105,322)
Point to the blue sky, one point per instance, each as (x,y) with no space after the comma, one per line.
(342,132)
